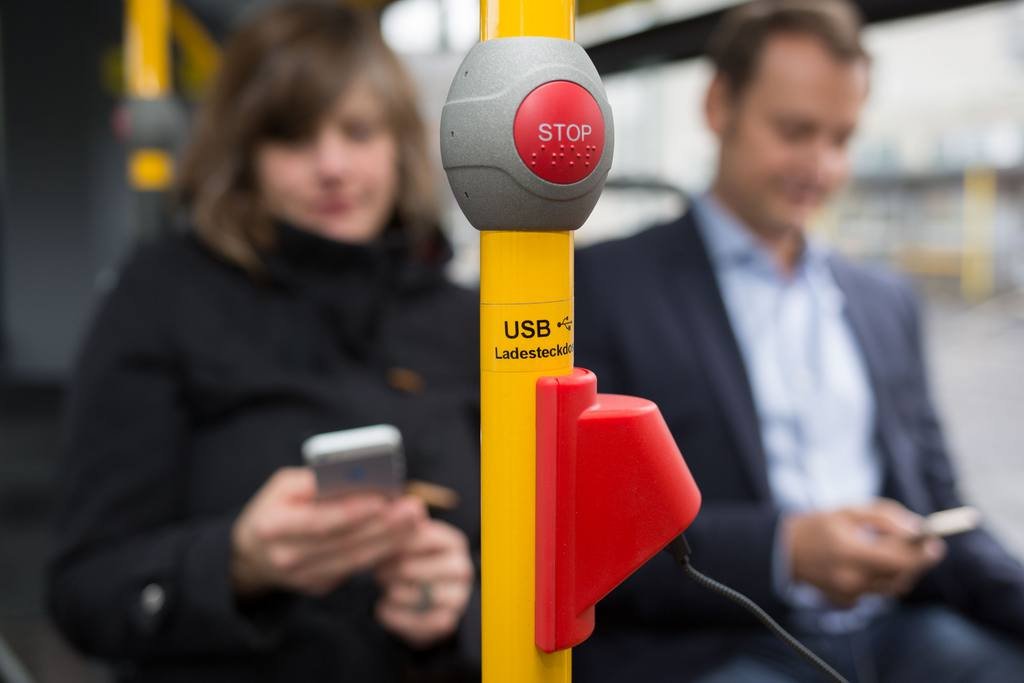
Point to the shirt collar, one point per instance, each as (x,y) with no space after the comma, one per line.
(731,243)
(727,240)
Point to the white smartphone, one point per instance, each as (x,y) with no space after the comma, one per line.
(953,521)
(361,460)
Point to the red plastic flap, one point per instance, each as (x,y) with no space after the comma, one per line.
(560,401)
(612,490)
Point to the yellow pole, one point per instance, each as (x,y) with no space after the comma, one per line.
(977,275)
(512,18)
(148,71)
(525,293)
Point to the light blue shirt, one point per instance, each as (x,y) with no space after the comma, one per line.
(810,388)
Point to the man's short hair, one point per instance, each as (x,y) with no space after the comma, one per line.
(736,44)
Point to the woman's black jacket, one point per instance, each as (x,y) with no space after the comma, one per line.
(196,383)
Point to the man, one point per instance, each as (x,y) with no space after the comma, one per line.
(794,384)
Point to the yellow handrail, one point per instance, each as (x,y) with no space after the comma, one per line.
(526,277)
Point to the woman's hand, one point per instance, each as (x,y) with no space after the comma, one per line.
(285,538)
(427,585)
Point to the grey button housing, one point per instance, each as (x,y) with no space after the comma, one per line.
(492,185)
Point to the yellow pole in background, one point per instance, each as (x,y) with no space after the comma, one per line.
(199,51)
(526,309)
(977,274)
(147,51)
(148,71)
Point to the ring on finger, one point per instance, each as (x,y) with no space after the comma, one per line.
(426,601)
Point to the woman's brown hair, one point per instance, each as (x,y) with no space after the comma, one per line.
(281,73)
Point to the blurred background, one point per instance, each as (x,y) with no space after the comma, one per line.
(938,193)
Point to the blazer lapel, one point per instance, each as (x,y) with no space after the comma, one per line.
(694,286)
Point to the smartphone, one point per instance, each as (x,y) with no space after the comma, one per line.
(361,460)
(953,521)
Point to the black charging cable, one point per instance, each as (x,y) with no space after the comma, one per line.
(680,550)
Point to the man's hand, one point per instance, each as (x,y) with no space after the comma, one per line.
(427,585)
(854,551)
(286,538)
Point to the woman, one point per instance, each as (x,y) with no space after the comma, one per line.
(308,297)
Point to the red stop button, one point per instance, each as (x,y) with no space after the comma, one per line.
(559,132)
